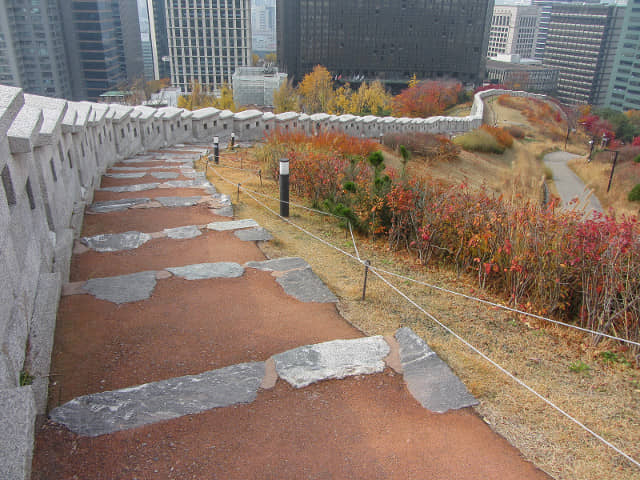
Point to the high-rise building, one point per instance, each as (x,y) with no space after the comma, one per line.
(32,53)
(159,41)
(513,31)
(207,41)
(103,45)
(145,40)
(386,40)
(543,21)
(256,85)
(581,44)
(623,92)
(263,25)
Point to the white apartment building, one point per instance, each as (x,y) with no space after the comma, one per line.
(513,31)
(208,40)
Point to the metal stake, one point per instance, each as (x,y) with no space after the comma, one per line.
(613,167)
(238,197)
(367,264)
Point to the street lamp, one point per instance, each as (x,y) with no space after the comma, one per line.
(591,145)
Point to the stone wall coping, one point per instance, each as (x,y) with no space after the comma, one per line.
(205,113)
(247,115)
(25,128)
(319,117)
(287,116)
(224,114)
(268,116)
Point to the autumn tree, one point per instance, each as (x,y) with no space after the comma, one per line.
(255,59)
(316,90)
(341,101)
(270,59)
(285,99)
(371,99)
(426,98)
(225,100)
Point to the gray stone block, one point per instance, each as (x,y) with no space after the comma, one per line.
(280,264)
(336,359)
(140,187)
(186,183)
(109,412)
(8,376)
(304,285)
(165,175)
(17,423)
(223,212)
(14,343)
(428,378)
(117,205)
(41,334)
(254,235)
(115,242)
(233,225)
(203,271)
(126,175)
(122,289)
(178,201)
(62,253)
(183,233)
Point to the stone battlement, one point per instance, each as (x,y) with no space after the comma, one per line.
(53,153)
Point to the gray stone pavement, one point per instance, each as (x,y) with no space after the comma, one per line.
(569,185)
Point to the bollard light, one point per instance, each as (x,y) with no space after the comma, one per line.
(284,187)
(216,149)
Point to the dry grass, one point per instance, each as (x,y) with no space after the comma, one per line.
(605,397)
(596,176)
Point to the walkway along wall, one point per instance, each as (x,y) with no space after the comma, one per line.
(52,156)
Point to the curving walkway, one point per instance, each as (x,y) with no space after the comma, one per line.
(182,352)
(573,192)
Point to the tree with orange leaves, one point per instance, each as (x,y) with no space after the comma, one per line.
(426,98)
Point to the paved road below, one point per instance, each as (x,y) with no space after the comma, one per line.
(569,185)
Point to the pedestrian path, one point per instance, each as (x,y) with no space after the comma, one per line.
(182,352)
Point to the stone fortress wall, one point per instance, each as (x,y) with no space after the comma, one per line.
(52,155)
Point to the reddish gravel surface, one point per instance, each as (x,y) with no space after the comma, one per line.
(148,219)
(158,192)
(364,427)
(160,253)
(368,427)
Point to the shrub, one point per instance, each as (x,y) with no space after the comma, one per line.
(503,137)
(634,194)
(637,159)
(427,145)
(479,141)
(516,132)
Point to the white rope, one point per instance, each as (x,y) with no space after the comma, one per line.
(355,247)
(504,307)
(449,330)
(506,372)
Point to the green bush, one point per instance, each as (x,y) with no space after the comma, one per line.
(637,159)
(634,194)
(479,141)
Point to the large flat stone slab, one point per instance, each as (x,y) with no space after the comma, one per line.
(332,360)
(140,187)
(117,205)
(115,242)
(280,264)
(428,378)
(165,175)
(232,225)
(125,175)
(108,412)
(178,201)
(204,271)
(183,233)
(197,183)
(258,234)
(304,285)
(122,289)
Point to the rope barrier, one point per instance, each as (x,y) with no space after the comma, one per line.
(448,329)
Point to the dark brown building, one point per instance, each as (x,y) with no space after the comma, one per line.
(385,39)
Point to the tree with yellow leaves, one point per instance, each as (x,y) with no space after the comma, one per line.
(341,102)
(316,90)
(225,100)
(196,99)
(285,99)
(371,99)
